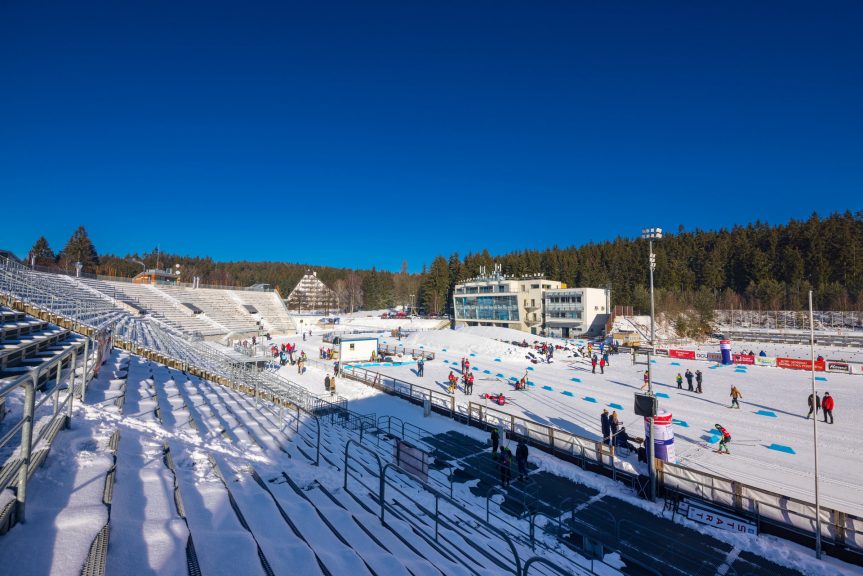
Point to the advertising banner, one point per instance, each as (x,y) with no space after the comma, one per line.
(842,367)
(743,359)
(683,354)
(799,364)
(662,351)
(714,357)
(764,361)
(701,355)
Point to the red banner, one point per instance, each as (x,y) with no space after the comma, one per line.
(682,354)
(798,364)
(743,358)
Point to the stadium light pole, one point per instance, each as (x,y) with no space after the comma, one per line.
(651,234)
(815,430)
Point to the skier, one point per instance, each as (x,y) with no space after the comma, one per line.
(505,466)
(452,382)
(689,376)
(602,365)
(605,423)
(679,381)
(723,442)
(469,388)
(698,381)
(593,363)
(605,357)
(814,406)
(735,395)
(495,441)
(827,406)
(521,459)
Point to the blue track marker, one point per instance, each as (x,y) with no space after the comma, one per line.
(782,448)
(767,413)
(681,423)
(486,371)
(446,361)
(443,349)
(497,359)
(653,361)
(576,379)
(567,393)
(474,368)
(530,368)
(472,354)
(822,378)
(589,399)
(662,395)
(499,375)
(616,406)
(513,378)
(675,363)
(549,388)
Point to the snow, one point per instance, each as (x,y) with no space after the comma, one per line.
(221,444)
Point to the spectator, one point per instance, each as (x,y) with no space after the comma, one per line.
(605,423)
(827,406)
(521,459)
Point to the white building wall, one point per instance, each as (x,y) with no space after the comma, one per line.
(357,350)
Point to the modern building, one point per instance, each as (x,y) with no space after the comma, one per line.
(571,312)
(499,300)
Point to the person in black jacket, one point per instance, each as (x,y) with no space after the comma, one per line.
(495,442)
(814,406)
(606,427)
(521,459)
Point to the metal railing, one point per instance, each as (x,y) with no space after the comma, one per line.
(840,529)
(19,468)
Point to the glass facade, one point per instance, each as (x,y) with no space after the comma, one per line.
(500,308)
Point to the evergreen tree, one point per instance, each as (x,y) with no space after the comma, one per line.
(41,254)
(79,248)
(436,286)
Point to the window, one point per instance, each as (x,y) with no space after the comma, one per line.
(534,286)
(351,346)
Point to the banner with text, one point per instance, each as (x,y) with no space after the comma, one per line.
(798,364)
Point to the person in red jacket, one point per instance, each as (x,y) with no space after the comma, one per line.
(827,406)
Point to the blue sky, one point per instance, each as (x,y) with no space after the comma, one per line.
(367,133)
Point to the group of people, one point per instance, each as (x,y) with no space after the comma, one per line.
(330,384)
(285,353)
(602,361)
(327,353)
(825,404)
(697,375)
(505,460)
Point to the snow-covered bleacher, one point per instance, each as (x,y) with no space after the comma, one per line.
(183,476)
(159,304)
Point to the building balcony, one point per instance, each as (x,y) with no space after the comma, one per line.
(532,307)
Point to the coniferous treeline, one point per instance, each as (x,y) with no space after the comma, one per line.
(753,266)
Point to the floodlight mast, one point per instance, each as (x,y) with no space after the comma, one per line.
(651,234)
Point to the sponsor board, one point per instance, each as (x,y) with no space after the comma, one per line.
(701,355)
(682,354)
(662,351)
(743,358)
(714,357)
(799,364)
(764,361)
(842,367)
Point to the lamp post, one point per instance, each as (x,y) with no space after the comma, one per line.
(651,234)
(815,430)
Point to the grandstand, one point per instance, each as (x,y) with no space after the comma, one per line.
(182,461)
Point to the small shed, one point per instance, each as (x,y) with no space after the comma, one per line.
(357,348)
